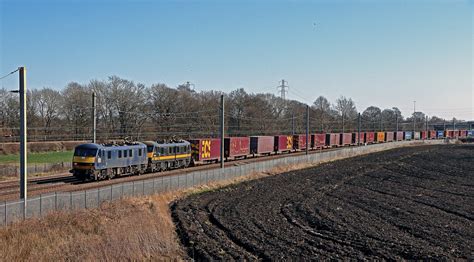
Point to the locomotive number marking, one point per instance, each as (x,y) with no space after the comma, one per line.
(206,148)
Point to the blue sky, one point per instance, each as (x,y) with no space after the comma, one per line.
(383,53)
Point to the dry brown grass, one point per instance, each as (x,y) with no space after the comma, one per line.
(138,228)
(129,229)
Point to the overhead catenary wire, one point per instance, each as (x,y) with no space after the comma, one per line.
(12,72)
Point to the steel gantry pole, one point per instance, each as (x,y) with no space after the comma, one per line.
(23,139)
(414,121)
(396,119)
(358,129)
(222,130)
(307,128)
(94,118)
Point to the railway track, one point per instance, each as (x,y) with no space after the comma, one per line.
(65,182)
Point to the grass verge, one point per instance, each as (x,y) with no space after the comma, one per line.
(39,158)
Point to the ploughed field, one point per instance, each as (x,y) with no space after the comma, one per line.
(407,203)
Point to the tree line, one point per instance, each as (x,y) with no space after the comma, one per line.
(129,110)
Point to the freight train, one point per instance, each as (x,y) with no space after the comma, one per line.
(106,161)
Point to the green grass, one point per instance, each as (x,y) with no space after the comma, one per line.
(37,158)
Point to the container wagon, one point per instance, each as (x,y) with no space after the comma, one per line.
(369,137)
(389,136)
(380,137)
(299,142)
(454,133)
(470,133)
(417,135)
(361,138)
(407,135)
(424,135)
(398,136)
(432,134)
(318,141)
(235,147)
(205,150)
(262,145)
(440,134)
(283,143)
(345,139)
(332,140)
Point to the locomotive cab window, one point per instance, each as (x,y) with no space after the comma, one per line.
(149,149)
(109,154)
(140,152)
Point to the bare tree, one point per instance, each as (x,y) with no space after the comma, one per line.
(346,109)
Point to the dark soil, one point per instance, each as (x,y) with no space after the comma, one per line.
(409,203)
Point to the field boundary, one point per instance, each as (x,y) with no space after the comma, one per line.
(13,211)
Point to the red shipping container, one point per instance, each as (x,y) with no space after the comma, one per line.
(332,139)
(299,142)
(399,136)
(369,137)
(432,134)
(262,144)
(283,143)
(205,149)
(319,140)
(361,139)
(424,135)
(389,136)
(345,139)
(236,146)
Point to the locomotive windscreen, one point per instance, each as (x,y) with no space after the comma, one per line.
(85,152)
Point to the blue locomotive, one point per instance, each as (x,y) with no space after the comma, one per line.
(96,161)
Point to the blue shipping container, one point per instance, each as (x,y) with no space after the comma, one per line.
(440,134)
(470,133)
(408,135)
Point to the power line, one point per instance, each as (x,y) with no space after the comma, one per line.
(9,74)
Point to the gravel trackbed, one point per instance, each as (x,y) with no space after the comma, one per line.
(408,203)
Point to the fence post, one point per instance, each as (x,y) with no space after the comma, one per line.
(85,199)
(5,212)
(70,200)
(154,186)
(55,201)
(133,188)
(98,197)
(121,195)
(111,191)
(41,205)
(143,187)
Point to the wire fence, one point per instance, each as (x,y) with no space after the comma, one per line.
(44,204)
